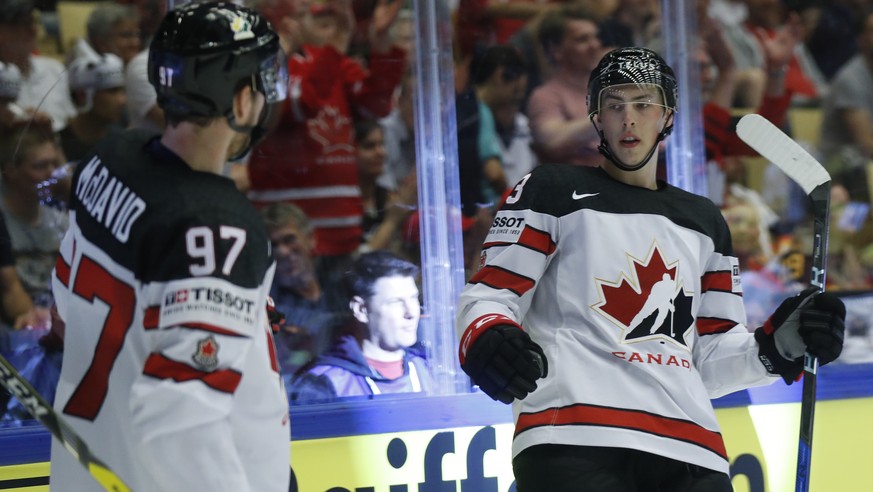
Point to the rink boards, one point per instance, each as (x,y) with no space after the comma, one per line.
(462,443)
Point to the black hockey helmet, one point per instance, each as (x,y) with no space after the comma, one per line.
(636,66)
(203,52)
(640,66)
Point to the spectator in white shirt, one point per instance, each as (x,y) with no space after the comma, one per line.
(44,87)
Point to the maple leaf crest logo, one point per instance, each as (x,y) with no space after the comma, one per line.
(206,354)
(332,130)
(647,301)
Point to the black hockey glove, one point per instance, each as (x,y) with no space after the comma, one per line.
(810,321)
(505,363)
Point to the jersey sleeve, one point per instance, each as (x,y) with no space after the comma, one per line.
(518,249)
(726,353)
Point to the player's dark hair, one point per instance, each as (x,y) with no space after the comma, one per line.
(173,118)
(372,266)
(486,63)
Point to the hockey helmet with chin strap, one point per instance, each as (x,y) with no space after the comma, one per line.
(631,66)
(204,52)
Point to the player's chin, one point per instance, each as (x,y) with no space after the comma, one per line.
(634,154)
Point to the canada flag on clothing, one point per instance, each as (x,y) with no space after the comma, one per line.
(206,355)
(648,301)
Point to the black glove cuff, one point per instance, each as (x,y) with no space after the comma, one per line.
(790,370)
(505,363)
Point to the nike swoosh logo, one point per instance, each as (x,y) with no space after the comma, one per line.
(583,195)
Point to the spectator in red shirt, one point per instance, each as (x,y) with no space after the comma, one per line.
(309,159)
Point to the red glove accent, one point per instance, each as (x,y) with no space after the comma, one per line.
(276,318)
(477,327)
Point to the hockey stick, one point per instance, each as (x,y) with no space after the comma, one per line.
(42,411)
(793,160)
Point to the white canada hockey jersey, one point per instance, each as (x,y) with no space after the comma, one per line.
(635,297)
(169,370)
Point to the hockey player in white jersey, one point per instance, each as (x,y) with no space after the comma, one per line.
(607,399)
(169,369)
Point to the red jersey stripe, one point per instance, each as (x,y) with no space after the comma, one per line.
(211,328)
(501,278)
(494,244)
(152,317)
(274,362)
(716,281)
(712,326)
(530,238)
(537,240)
(681,430)
(62,270)
(158,366)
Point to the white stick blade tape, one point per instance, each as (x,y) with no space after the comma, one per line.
(777,147)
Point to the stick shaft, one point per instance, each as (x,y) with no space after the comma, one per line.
(773,144)
(820,205)
(43,411)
